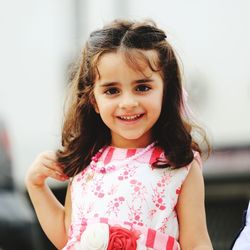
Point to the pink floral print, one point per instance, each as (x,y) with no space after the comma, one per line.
(133,193)
(114,205)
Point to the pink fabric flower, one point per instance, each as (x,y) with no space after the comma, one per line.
(122,239)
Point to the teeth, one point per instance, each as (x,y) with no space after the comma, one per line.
(128,118)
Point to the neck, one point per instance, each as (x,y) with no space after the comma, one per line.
(130,143)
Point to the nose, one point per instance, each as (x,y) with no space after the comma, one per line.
(128,101)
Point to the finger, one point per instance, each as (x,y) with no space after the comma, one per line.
(53,166)
(59,177)
(51,172)
(50,163)
(55,169)
(49,167)
(51,156)
(48,155)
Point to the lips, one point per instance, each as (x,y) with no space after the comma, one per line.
(130,117)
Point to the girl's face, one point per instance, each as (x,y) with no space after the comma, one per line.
(128,100)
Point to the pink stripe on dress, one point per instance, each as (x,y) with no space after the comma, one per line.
(155,155)
(161,240)
(150,238)
(170,243)
(104,220)
(131,152)
(109,155)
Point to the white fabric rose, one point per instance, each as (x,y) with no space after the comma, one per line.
(95,237)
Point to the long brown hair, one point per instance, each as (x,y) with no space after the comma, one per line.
(84,133)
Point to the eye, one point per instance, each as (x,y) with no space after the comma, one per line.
(111,91)
(142,88)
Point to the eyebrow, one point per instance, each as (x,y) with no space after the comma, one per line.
(109,84)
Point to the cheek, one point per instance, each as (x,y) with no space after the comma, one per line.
(156,108)
(104,107)
(156,101)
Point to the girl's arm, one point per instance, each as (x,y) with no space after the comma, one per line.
(52,215)
(191,212)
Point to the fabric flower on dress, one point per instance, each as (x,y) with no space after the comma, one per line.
(95,237)
(101,236)
(122,238)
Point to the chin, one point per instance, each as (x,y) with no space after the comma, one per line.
(137,139)
(132,137)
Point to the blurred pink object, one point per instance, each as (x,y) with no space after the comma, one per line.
(185,109)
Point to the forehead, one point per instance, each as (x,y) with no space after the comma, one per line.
(133,60)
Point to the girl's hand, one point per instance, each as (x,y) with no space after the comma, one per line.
(44,166)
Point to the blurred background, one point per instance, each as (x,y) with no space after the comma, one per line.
(40,40)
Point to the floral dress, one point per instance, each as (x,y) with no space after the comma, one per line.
(120,189)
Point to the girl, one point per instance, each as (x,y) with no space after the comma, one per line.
(134,167)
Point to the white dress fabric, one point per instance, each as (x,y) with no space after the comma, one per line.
(130,193)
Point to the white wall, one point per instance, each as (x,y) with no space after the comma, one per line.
(213,39)
(38,40)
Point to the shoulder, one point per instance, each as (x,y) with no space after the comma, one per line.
(192,191)
(194,177)
(194,169)
(190,172)
(197,159)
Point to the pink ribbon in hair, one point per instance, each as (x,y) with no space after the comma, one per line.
(185,109)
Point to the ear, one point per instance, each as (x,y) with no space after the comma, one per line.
(94,104)
(96,108)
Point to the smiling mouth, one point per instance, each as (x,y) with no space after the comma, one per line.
(130,117)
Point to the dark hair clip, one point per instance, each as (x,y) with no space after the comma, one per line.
(144,37)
